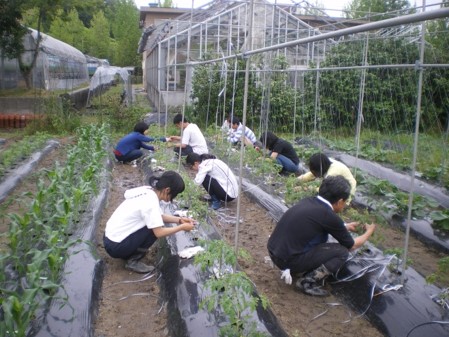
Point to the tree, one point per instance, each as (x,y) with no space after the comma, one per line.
(11,31)
(375,10)
(219,88)
(69,29)
(98,36)
(126,32)
(166,3)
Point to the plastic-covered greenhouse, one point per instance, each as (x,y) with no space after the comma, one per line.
(58,65)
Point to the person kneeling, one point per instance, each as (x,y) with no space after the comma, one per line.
(137,222)
(215,176)
(299,242)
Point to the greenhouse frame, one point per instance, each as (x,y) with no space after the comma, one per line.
(58,65)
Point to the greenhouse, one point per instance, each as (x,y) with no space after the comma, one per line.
(58,65)
(371,92)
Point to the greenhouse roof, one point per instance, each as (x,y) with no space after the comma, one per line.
(217,16)
(52,46)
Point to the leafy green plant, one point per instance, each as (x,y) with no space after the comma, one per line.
(442,273)
(39,238)
(21,150)
(399,253)
(110,110)
(230,291)
(440,219)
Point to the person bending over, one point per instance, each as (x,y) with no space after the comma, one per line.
(192,138)
(129,147)
(236,132)
(137,222)
(299,242)
(282,152)
(321,166)
(215,176)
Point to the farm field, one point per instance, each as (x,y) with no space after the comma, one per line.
(131,306)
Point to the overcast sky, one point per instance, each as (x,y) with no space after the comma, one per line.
(328,4)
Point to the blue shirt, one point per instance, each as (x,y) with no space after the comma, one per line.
(134,141)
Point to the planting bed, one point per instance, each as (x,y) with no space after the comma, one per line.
(297,313)
(132,306)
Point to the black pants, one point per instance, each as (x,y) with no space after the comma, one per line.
(184,150)
(332,255)
(130,156)
(141,239)
(214,188)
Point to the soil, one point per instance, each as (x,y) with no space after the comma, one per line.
(130,306)
(144,314)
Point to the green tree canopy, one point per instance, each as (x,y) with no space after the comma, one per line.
(98,37)
(69,29)
(375,10)
(126,32)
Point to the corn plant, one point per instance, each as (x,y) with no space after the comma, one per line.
(18,151)
(38,240)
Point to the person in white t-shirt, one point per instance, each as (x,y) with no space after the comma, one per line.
(192,138)
(138,222)
(215,176)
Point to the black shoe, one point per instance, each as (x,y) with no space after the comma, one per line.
(138,267)
(310,287)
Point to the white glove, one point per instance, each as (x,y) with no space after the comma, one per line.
(286,276)
(189,252)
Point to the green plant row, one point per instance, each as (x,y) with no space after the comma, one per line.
(21,150)
(231,291)
(228,290)
(39,238)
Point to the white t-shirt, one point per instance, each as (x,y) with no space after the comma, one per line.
(193,136)
(220,172)
(139,209)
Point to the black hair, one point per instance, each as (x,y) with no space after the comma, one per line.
(334,188)
(193,157)
(205,156)
(169,179)
(235,120)
(268,139)
(141,127)
(319,164)
(178,119)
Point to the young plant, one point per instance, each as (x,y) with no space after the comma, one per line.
(442,273)
(232,292)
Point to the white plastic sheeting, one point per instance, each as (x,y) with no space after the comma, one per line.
(105,75)
(58,65)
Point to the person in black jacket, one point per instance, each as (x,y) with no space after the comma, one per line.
(282,152)
(299,242)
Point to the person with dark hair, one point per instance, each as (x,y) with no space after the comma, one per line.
(129,147)
(299,242)
(321,166)
(282,152)
(236,132)
(137,222)
(215,176)
(192,138)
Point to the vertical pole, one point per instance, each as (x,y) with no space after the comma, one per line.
(361,98)
(415,145)
(242,145)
